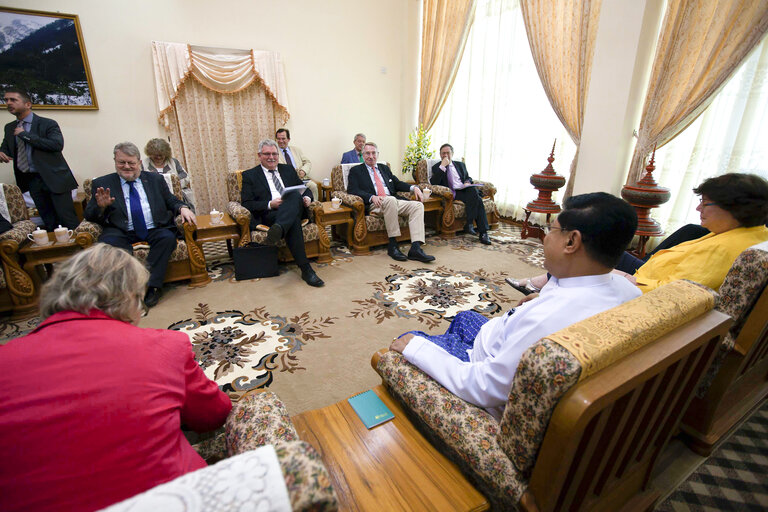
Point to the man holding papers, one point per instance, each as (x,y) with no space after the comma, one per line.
(454,176)
(265,195)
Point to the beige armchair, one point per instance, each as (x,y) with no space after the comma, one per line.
(368,230)
(316,241)
(590,410)
(17,291)
(454,213)
(187,260)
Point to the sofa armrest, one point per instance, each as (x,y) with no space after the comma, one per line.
(306,478)
(358,212)
(258,419)
(19,231)
(242,217)
(87,233)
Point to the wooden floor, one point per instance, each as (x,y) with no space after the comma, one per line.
(389,467)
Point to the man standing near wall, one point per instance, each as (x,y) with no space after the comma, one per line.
(355,155)
(293,156)
(34,144)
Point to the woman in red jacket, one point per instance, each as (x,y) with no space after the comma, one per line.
(91,406)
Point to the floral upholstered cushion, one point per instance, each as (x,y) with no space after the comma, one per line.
(742,286)
(467,434)
(307,480)
(545,373)
(3,284)
(310,231)
(258,419)
(19,231)
(17,208)
(376,223)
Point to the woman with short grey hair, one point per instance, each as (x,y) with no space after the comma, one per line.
(160,160)
(91,405)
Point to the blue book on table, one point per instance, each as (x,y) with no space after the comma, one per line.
(370,408)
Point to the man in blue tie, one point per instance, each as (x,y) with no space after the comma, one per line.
(136,206)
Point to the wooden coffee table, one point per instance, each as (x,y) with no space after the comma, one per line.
(227,230)
(389,467)
(36,255)
(338,216)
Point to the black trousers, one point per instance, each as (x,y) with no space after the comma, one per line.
(54,208)
(289,215)
(162,242)
(630,264)
(473,201)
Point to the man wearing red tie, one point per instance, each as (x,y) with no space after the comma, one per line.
(377,186)
(34,144)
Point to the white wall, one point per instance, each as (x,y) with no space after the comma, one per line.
(351,66)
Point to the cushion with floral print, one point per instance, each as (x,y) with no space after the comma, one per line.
(258,419)
(307,480)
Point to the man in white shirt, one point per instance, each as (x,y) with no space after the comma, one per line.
(476,358)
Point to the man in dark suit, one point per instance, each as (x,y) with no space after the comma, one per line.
(136,206)
(453,175)
(377,186)
(262,195)
(34,144)
(355,155)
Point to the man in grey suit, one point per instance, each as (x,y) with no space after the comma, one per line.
(34,144)
(136,206)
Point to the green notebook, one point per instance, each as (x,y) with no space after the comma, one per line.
(370,408)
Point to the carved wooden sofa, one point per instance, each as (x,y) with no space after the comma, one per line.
(738,382)
(583,428)
(187,260)
(454,213)
(17,291)
(316,241)
(238,479)
(368,230)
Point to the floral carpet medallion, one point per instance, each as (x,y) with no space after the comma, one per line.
(241,351)
(432,295)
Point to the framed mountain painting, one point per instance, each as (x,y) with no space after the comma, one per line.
(44,54)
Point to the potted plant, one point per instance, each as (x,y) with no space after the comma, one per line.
(416,150)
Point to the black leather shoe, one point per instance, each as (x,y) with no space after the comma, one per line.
(396,254)
(470,230)
(309,276)
(152,297)
(417,254)
(485,239)
(275,234)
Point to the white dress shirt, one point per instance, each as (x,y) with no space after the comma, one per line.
(487,378)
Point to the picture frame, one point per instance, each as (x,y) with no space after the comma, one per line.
(44,54)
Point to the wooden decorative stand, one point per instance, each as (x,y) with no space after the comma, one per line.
(546,182)
(644,195)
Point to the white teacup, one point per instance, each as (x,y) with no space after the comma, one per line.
(326,182)
(216,217)
(63,234)
(336,202)
(426,193)
(39,236)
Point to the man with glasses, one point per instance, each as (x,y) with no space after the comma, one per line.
(476,358)
(262,195)
(355,155)
(136,206)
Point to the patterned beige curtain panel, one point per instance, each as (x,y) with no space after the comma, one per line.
(562,38)
(445,28)
(225,71)
(701,44)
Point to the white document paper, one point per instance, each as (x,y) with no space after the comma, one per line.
(297,188)
(467,185)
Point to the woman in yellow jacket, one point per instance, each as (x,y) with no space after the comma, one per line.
(733,207)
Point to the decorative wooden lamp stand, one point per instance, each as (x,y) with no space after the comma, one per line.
(546,182)
(644,195)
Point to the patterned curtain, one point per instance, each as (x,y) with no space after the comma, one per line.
(562,38)
(216,105)
(702,43)
(445,28)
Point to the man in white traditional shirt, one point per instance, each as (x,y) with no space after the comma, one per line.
(476,358)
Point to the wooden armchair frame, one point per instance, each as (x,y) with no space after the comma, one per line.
(191,268)
(19,295)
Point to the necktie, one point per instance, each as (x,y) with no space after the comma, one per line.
(360,157)
(22,162)
(379,184)
(288,159)
(137,214)
(453,178)
(276,181)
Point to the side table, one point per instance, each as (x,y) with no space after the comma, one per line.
(341,216)
(389,467)
(227,230)
(36,255)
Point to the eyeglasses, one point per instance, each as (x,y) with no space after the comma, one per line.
(550,227)
(708,203)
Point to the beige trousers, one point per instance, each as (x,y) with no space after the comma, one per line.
(391,207)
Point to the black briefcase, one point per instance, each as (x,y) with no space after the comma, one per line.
(255,260)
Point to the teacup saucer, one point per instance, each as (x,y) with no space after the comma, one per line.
(46,244)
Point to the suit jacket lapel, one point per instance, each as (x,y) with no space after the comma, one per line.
(116,189)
